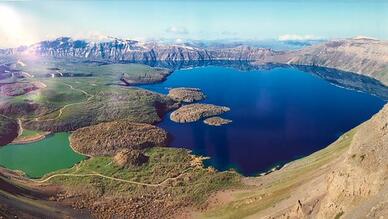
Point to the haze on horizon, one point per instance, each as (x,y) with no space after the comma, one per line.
(23,23)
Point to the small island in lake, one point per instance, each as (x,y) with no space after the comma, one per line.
(186,94)
(216,121)
(196,111)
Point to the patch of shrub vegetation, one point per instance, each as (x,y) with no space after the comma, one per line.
(8,130)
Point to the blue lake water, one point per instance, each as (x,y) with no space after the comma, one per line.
(278,115)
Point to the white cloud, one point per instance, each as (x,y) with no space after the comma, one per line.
(286,37)
(364,37)
(92,36)
(178,40)
(177,30)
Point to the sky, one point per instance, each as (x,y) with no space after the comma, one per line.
(26,22)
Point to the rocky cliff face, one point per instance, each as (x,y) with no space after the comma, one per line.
(359,55)
(347,179)
(355,185)
(130,50)
(359,184)
(366,56)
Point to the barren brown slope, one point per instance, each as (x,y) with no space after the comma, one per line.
(359,55)
(19,198)
(348,179)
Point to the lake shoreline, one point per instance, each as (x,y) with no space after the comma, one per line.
(55,148)
(258,98)
(31,139)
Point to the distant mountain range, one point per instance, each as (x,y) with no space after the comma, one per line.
(130,50)
(359,55)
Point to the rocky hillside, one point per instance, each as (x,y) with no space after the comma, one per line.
(359,55)
(130,50)
(359,184)
(348,179)
(8,130)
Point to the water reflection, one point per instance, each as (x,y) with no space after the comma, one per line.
(344,79)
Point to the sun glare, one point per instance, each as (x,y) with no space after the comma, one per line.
(13,31)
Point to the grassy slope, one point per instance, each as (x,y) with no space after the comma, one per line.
(28,136)
(54,96)
(29,133)
(194,185)
(71,102)
(116,103)
(20,199)
(58,94)
(279,185)
(109,72)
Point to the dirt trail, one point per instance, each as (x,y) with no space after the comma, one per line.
(67,105)
(20,127)
(113,178)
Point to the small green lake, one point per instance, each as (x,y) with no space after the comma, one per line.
(42,157)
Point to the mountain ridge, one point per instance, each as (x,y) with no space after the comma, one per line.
(131,50)
(361,55)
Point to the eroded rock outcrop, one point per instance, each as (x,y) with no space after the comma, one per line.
(186,94)
(356,184)
(196,111)
(128,158)
(110,137)
(360,181)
